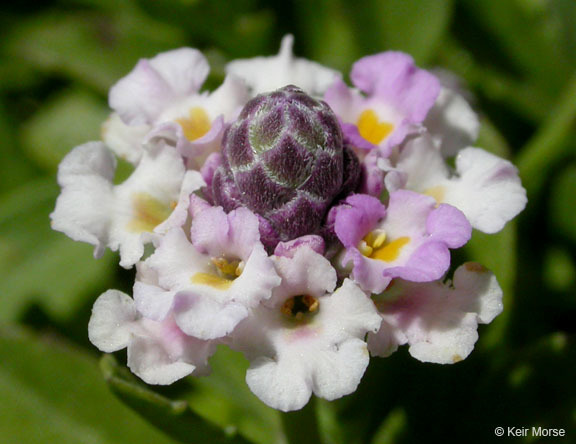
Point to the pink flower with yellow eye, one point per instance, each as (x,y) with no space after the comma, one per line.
(391,98)
(410,238)
(163,95)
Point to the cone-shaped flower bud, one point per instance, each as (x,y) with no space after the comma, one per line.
(284,159)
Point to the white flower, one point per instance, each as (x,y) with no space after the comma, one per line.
(438,320)
(162,95)
(208,284)
(264,74)
(452,122)
(124,140)
(306,339)
(127,216)
(485,187)
(158,352)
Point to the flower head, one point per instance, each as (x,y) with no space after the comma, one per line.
(305,234)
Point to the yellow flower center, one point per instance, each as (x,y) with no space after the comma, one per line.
(376,245)
(297,307)
(196,125)
(226,272)
(371,128)
(148,212)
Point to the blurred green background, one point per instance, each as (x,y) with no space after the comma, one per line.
(57,60)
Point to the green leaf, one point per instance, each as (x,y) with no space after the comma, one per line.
(327,33)
(240,28)
(93,48)
(35,262)
(496,85)
(175,418)
(301,426)
(391,428)
(523,32)
(17,75)
(16,170)
(69,119)
(413,26)
(560,271)
(330,425)
(53,393)
(563,13)
(551,144)
(222,398)
(563,203)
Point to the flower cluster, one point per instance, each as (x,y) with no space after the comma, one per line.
(302,221)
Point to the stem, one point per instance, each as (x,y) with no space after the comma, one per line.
(301,426)
(548,145)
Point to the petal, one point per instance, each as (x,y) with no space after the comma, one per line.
(452,123)
(427,263)
(408,214)
(257,280)
(176,260)
(437,320)
(160,353)
(479,290)
(83,208)
(385,342)
(307,272)
(144,201)
(263,74)
(152,301)
(348,312)
(422,163)
(149,361)
(342,100)
(205,317)
(289,248)
(192,181)
(358,215)
(449,225)
(110,325)
(367,273)
(184,70)
(338,373)
(141,96)
(228,98)
(488,190)
(393,76)
(218,233)
(124,140)
(283,387)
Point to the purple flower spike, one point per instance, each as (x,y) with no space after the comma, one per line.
(284,159)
